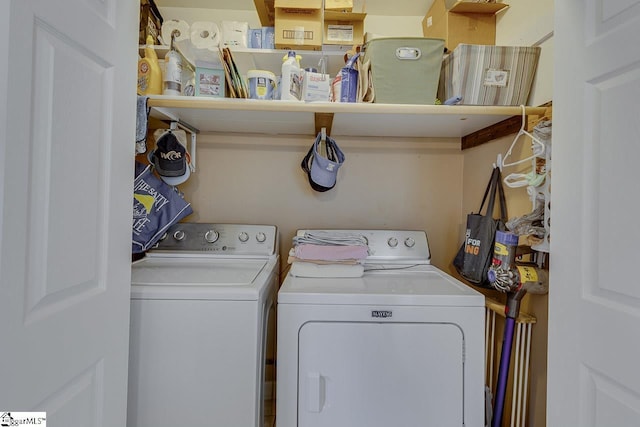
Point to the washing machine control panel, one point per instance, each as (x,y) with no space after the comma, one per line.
(219,239)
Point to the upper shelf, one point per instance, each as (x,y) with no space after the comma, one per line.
(349,119)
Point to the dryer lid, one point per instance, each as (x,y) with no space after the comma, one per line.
(423,286)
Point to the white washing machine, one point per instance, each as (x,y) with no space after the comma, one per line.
(403,345)
(200,307)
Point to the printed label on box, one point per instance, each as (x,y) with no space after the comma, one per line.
(297,34)
(316,87)
(498,78)
(340,33)
(210,82)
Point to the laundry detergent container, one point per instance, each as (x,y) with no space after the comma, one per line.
(404,70)
(489,75)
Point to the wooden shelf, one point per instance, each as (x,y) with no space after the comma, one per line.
(345,119)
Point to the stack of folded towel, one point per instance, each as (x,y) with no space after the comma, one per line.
(328,254)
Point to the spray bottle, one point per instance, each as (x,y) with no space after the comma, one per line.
(291,80)
(172,69)
(149,73)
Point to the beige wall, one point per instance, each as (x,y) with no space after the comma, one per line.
(384,183)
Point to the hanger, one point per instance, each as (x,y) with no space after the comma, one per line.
(538,146)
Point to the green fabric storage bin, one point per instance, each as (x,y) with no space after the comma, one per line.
(405,70)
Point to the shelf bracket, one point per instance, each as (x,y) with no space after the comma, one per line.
(175,122)
(323,120)
(498,130)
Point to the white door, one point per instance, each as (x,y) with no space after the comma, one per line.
(67,129)
(594,297)
(374,374)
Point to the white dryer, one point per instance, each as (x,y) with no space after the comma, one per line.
(200,306)
(403,345)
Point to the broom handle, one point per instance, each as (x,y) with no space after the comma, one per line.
(503,372)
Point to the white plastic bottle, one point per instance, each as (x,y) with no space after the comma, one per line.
(291,80)
(172,72)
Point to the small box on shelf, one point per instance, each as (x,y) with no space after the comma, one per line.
(343,28)
(298,24)
(462,22)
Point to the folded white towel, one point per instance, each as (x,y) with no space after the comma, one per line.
(308,269)
(320,237)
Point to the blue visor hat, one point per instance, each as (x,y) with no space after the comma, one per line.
(322,163)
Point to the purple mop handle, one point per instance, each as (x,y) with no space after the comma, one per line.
(503,372)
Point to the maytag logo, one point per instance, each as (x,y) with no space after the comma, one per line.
(381,314)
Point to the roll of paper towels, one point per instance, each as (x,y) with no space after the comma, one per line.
(171,25)
(205,35)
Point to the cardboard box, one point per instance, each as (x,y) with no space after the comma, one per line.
(298,24)
(343,28)
(339,5)
(464,22)
(489,75)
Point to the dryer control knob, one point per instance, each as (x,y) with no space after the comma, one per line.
(243,237)
(261,237)
(211,236)
(409,242)
(178,235)
(393,242)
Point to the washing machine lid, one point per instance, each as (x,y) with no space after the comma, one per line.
(423,285)
(200,278)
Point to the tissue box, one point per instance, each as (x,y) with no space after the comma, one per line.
(268,38)
(489,75)
(316,86)
(255,38)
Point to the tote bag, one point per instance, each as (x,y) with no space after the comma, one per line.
(474,256)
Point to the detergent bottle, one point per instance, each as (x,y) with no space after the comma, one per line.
(149,73)
(291,80)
